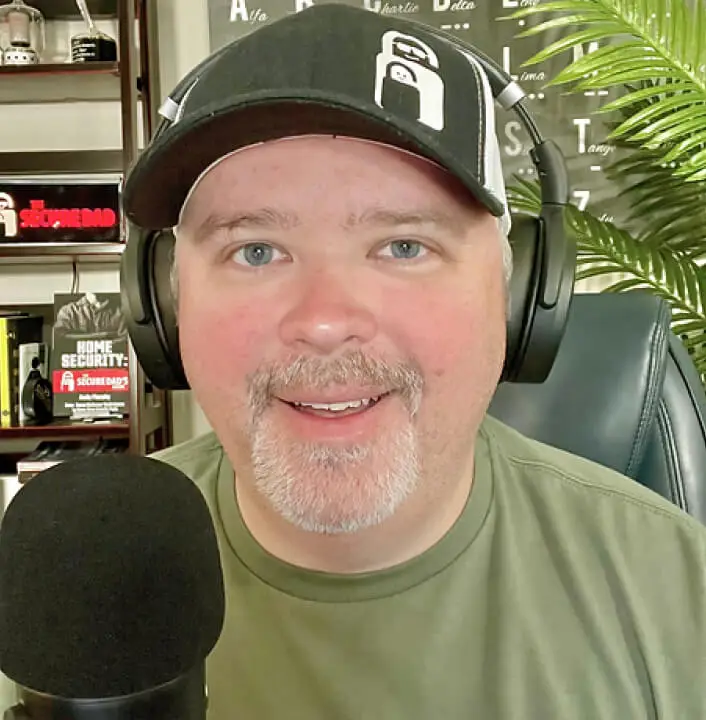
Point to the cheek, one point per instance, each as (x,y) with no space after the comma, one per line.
(220,341)
(451,331)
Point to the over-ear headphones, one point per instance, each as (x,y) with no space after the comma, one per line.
(541,287)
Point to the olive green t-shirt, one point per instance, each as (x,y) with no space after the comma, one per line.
(563,592)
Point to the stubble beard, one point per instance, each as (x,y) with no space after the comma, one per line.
(333,489)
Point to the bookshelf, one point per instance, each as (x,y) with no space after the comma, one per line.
(61,429)
(66,9)
(59,82)
(131,84)
(21,254)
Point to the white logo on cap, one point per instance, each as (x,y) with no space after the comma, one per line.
(405,60)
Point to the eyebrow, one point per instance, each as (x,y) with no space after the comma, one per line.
(264,218)
(386,217)
(270,218)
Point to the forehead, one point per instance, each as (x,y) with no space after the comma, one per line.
(322,171)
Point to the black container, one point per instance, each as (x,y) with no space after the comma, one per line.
(93,48)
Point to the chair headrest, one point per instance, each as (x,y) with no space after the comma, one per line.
(603,391)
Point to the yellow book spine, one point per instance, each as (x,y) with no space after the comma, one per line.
(5,389)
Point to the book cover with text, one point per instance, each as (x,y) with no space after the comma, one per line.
(89,358)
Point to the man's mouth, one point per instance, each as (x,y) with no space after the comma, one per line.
(338,409)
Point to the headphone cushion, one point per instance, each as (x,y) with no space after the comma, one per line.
(154,338)
(525,241)
(542,255)
(164,302)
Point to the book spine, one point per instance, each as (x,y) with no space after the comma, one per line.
(13,361)
(5,380)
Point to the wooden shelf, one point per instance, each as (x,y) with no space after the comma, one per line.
(61,162)
(86,68)
(66,430)
(67,10)
(26,253)
(60,83)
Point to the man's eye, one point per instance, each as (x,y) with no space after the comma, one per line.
(404,249)
(254,254)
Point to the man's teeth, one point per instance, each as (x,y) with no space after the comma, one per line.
(339,406)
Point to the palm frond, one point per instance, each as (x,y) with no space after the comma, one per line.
(658,45)
(524,197)
(663,209)
(668,212)
(605,249)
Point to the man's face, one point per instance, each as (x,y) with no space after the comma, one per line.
(357,278)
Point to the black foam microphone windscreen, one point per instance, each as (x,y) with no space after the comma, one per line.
(110,578)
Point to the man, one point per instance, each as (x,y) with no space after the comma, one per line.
(89,315)
(389,550)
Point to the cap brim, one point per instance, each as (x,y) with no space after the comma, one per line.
(158,185)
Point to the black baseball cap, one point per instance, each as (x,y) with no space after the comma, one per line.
(329,69)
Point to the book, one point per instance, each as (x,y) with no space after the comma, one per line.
(89,359)
(15,329)
(9,486)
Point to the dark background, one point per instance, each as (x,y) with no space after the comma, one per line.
(484,24)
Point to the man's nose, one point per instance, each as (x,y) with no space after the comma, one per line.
(327,314)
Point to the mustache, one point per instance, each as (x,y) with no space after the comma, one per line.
(352,368)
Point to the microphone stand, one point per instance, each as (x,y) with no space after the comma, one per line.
(184,698)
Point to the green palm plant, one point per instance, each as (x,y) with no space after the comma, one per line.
(655,55)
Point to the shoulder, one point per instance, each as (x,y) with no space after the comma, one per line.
(572,482)
(199,458)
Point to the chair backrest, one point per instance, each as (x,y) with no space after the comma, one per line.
(623,392)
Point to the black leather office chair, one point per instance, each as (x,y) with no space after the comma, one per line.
(624,393)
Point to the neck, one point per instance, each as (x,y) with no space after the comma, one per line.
(419,524)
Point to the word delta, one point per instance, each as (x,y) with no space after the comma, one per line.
(93,354)
(39,216)
(456,6)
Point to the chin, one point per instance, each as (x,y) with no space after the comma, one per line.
(333,489)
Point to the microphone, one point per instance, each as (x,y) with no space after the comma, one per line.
(111,592)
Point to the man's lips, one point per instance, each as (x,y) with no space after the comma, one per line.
(336,412)
(336,409)
(339,397)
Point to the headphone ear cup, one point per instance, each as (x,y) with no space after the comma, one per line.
(148,306)
(542,258)
(166,320)
(525,241)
